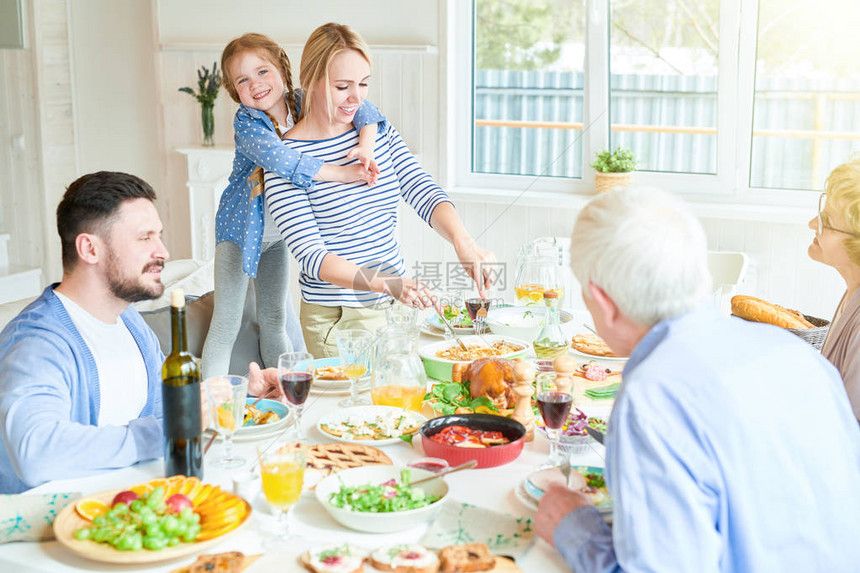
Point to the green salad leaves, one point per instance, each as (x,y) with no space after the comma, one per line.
(387,497)
(446,397)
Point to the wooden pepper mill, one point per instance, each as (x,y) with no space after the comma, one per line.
(564,367)
(524,377)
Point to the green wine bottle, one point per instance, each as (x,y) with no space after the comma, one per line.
(183,426)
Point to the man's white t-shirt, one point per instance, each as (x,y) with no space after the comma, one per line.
(122,373)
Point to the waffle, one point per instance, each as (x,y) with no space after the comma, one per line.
(591,344)
(330,458)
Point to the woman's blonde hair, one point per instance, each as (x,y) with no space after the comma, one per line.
(322,46)
(842,187)
(269,50)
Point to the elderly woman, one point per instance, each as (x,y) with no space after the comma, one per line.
(837,244)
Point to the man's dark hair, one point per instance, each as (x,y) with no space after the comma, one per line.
(91,204)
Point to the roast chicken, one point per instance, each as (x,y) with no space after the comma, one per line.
(489,377)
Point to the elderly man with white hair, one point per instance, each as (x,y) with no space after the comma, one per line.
(732,446)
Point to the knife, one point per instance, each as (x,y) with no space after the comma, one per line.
(596,434)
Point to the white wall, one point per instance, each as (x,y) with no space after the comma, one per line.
(114,87)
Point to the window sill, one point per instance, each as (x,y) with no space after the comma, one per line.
(761,207)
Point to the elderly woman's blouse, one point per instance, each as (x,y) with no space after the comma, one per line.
(842,346)
(352,220)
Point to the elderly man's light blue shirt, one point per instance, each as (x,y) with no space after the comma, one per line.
(731,447)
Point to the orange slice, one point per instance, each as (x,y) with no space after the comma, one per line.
(191,487)
(201,494)
(141,489)
(212,534)
(90,508)
(160,482)
(223,506)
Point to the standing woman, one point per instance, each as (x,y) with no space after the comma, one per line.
(343,234)
(837,244)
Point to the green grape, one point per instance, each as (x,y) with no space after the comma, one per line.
(155,543)
(137,542)
(148,518)
(191,534)
(120,508)
(145,510)
(123,543)
(170,524)
(186,513)
(99,521)
(181,529)
(153,529)
(136,505)
(195,517)
(173,542)
(100,534)
(83,533)
(155,497)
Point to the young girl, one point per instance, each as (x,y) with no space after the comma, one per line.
(343,235)
(258,76)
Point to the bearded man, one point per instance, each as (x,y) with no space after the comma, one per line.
(80,371)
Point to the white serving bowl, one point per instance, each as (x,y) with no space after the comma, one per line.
(523,322)
(440,368)
(380,522)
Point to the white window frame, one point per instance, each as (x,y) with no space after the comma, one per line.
(725,194)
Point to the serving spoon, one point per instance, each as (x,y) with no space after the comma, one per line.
(467,466)
(451,330)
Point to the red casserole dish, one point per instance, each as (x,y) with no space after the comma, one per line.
(488,457)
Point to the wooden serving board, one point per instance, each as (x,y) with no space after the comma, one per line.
(68,521)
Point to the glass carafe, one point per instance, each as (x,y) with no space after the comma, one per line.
(535,275)
(398,372)
(551,341)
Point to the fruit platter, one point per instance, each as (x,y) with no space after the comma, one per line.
(149,522)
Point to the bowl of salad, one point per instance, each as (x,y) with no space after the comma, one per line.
(524,322)
(381,499)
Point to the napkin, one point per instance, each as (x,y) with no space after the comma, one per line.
(28,517)
(604,392)
(458,523)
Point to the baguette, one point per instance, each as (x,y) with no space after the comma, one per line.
(757,310)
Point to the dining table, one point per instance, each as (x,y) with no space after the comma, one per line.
(498,489)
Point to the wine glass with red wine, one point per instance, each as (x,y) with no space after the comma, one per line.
(295,371)
(554,408)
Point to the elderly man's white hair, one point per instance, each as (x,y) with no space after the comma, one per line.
(645,249)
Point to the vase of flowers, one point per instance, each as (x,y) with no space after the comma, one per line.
(613,168)
(207,91)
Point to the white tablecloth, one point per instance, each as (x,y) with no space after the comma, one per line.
(492,488)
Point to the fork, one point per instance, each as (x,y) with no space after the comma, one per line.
(565,471)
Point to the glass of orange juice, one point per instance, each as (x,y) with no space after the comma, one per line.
(398,378)
(282,466)
(226,397)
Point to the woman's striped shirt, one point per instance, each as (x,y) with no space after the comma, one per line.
(349,219)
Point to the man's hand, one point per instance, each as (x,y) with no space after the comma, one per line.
(554,505)
(264,383)
(475,260)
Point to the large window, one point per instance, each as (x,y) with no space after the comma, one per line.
(714,97)
(528,87)
(663,59)
(807,91)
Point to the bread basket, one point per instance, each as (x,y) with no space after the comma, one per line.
(815,335)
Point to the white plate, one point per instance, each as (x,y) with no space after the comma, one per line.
(432,330)
(335,387)
(365,412)
(435,321)
(598,358)
(524,497)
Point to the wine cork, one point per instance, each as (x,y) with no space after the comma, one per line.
(177,298)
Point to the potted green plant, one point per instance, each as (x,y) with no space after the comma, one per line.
(613,168)
(207,91)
